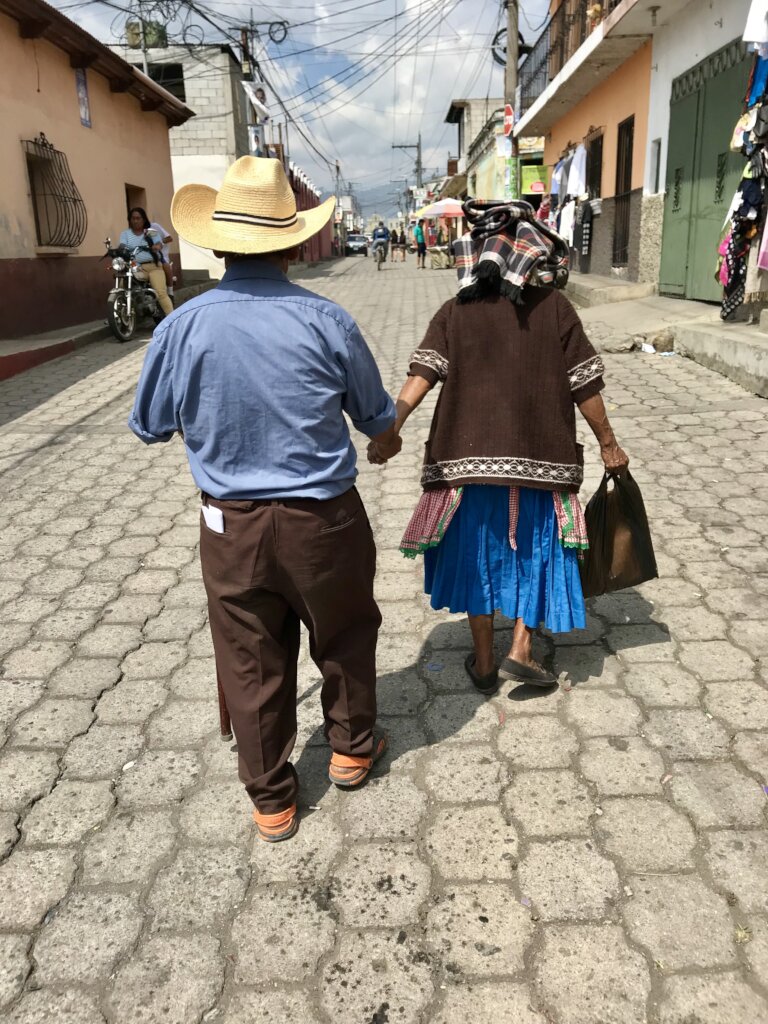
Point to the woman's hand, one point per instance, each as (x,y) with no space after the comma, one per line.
(615,459)
(157,246)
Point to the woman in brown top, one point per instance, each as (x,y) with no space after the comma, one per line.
(499,522)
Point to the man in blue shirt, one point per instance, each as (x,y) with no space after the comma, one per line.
(380,237)
(256,376)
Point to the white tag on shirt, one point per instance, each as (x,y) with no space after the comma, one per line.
(214,518)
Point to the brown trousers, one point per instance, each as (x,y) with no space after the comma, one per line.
(279,563)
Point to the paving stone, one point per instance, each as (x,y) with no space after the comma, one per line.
(587,974)
(751,748)
(622,766)
(480,930)
(637,644)
(503,1002)
(90,595)
(172,978)
(84,677)
(132,610)
(716,660)
(255,1006)
(603,714)
(45,1006)
(681,922)
(102,751)
(686,735)
(646,835)
(68,813)
(150,581)
(31,882)
(463,717)
(757,948)
(462,774)
(738,862)
(401,693)
(549,803)
(128,848)
(199,893)
(154,660)
(472,843)
(381,885)
(131,701)
(9,833)
(567,879)
(282,935)
(181,723)
(716,999)
(388,807)
(159,777)
(536,741)
(718,795)
(742,705)
(195,680)
(308,857)
(86,938)
(377,976)
(219,814)
(175,624)
(36,659)
(26,775)
(53,722)
(106,640)
(663,686)
(695,623)
(14,966)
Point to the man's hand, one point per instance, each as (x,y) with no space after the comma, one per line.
(615,459)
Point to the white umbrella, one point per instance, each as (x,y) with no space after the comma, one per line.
(443,208)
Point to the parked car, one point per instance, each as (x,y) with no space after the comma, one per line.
(356,244)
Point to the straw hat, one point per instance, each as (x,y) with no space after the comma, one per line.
(253,211)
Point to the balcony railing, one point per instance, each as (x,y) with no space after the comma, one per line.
(567,29)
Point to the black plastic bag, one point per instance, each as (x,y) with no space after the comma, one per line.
(620,551)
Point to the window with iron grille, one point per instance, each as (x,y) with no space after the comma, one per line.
(594,146)
(61,219)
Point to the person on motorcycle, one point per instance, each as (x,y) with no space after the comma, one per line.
(139,233)
(381,238)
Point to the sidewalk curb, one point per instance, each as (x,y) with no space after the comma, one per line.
(73,338)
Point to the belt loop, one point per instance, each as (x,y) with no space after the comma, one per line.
(203,498)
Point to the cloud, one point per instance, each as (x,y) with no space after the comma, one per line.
(369,80)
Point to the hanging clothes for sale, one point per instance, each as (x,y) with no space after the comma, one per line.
(557,177)
(577,174)
(756,30)
(567,218)
(736,269)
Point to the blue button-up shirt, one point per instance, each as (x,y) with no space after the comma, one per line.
(256,374)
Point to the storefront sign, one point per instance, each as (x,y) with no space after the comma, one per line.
(533,179)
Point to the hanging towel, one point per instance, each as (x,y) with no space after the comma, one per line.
(577,176)
(756,30)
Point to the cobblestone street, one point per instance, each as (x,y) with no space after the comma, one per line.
(594,855)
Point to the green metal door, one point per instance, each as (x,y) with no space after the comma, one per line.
(678,200)
(718,174)
(702,173)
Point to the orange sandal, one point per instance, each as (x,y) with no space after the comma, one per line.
(274,828)
(347,772)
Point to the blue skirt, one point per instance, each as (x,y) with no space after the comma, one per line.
(475,570)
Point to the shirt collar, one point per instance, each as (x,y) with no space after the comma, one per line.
(262,269)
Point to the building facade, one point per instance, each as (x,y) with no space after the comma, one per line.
(209,78)
(86,136)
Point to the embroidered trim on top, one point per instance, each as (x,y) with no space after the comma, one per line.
(428,357)
(585,372)
(505,468)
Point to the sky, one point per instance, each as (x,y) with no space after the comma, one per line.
(356,76)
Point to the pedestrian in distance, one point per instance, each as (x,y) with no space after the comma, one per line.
(499,522)
(256,376)
(421,245)
(140,234)
(403,243)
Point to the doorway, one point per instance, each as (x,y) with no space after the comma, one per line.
(623,194)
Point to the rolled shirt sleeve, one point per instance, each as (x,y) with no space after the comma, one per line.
(154,417)
(366,402)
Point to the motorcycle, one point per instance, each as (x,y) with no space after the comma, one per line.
(131,299)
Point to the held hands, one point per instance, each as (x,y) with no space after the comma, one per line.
(380,452)
(615,459)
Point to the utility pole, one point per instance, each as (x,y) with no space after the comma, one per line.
(142,30)
(419,164)
(510,92)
